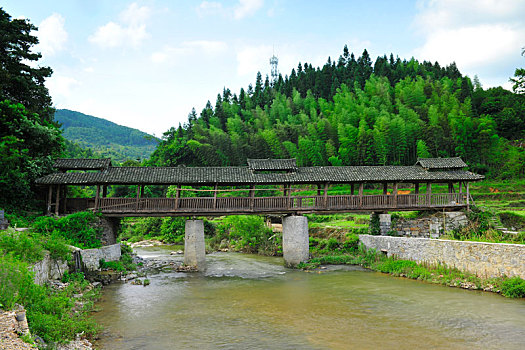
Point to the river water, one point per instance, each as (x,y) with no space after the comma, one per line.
(253,302)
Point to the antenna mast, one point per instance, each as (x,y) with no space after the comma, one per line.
(275,72)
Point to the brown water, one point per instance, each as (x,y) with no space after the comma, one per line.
(252,302)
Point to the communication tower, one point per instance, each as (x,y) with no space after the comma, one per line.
(275,72)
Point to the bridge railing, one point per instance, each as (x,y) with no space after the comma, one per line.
(269,204)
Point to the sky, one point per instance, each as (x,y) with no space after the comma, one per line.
(146,63)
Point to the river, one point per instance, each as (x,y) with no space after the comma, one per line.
(252,302)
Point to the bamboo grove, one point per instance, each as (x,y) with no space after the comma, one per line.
(356,112)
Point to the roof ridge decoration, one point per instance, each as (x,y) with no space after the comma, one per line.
(269,164)
(82,163)
(441,163)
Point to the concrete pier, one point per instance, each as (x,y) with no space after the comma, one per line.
(194,249)
(295,240)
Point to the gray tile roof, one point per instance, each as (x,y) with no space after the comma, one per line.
(82,164)
(272,164)
(441,163)
(244,176)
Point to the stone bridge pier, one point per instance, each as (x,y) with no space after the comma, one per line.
(295,242)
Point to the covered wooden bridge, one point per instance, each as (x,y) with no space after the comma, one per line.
(264,186)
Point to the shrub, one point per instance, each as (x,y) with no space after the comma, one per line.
(77,229)
(21,245)
(247,233)
(16,281)
(513,288)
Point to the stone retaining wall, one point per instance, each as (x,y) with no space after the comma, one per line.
(91,257)
(48,269)
(426,227)
(480,258)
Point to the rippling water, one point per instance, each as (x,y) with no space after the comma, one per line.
(253,302)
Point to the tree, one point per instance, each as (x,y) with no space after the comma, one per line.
(519,81)
(28,146)
(20,82)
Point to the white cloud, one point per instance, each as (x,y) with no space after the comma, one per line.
(188,48)
(51,35)
(60,85)
(470,46)
(246,8)
(130,31)
(209,7)
(476,35)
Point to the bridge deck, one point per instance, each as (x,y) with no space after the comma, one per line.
(210,206)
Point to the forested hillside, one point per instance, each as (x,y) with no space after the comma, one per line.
(357,112)
(104,138)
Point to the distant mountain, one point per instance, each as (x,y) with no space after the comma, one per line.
(105,138)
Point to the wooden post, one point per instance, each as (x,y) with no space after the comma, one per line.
(416,188)
(138,198)
(97,196)
(57,201)
(394,192)
(450,187)
(177,197)
(429,193)
(319,190)
(64,197)
(352,189)
(215,196)
(288,200)
(361,187)
(461,187)
(468,197)
(325,200)
(49,199)
(252,196)
(385,188)
(104,191)
(142,191)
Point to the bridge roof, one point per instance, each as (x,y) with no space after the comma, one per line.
(245,176)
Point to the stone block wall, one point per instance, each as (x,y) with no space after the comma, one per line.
(48,269)
(480,258)
(426,227)
(91,257)
(109,228)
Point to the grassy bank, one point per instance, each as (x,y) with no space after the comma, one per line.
(56,313)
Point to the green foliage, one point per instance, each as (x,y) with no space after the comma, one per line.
(247,234)
(76,229)
(27,145)
(513,288)
(68,277)
(374,228)
(352,113)
(21,246)
(16,281)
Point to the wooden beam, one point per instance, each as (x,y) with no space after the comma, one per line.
(64,196)
(416,188)
(49,199)
(352,189)
(385,188)
(57,203)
